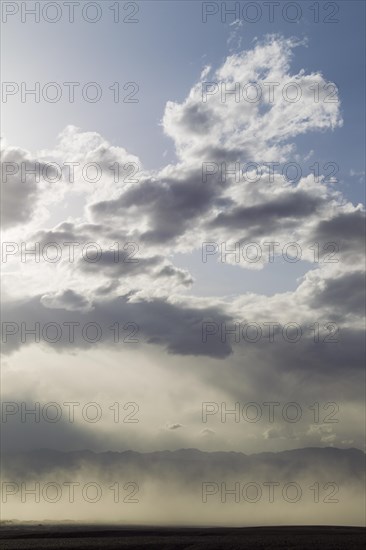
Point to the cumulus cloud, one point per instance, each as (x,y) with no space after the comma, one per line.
(260,127)
(198,200)
(156,214)
(21,190)
(66,299)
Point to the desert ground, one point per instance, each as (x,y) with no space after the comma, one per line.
(86,537)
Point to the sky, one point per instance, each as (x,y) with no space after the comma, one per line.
(153,291)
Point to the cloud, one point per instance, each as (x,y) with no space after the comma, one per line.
(237,124)
(175,328)
(325,433)
(175,209)
(286,210)
(343,295)
(346,229)
(67,300)
(21,190)
(177,204)
(174,426)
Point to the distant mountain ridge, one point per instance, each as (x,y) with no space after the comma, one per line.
(318,462)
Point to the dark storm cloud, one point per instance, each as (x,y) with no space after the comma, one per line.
(343,295)
(69,232)
(171,205)
(122,261)
(124,266)
(176,328)
(286,210)
(273,371)
(347,230)
(339,356)
(20,193)
(348,226)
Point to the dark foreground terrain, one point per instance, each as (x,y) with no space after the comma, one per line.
(111,538)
